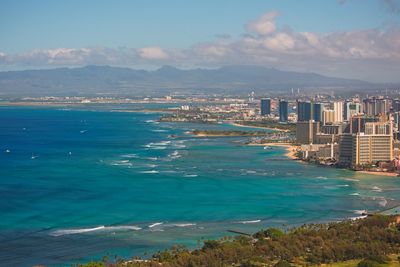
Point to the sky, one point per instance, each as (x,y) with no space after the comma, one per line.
(342,38)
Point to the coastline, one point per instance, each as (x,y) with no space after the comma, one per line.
(390,174)
(291,149)
(39,104)
(258,127)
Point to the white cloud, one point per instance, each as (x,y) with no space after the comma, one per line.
(264,25)
(279,42)
(370,53)
(152,53)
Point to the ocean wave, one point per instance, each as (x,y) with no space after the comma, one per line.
(94,229)
(383,202)
(175,155)
(160,130)
(155,144)
(342,185)
(155,224)
(358,217)
(354,194)
(190,175)
(183,224)
(351,179)
(158,145)
(360,212)
(249,222)
(151,165)
(179,146)
(322,178)
(130,156)
(121,163)
(376,189)
(329,187)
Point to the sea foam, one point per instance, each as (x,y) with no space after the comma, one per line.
(376,189)
(249,222)
(94,229)
(155,224)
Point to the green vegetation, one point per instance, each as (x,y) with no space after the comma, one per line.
(271,124)
(228,133)
(373,241)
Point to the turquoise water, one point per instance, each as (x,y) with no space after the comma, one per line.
(76,185)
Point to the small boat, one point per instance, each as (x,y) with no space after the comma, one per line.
(8,151)
(267,147)
(33,156)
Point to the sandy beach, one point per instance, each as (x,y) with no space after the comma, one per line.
(259,127)
(391,174)
(290,148)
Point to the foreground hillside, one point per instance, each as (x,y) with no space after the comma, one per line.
(373,241)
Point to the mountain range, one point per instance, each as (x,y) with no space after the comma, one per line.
(92,80)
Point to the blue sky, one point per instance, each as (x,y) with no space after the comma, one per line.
(173,31)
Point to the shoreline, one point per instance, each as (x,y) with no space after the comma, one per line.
(291,149)
(390,174)
(258,127)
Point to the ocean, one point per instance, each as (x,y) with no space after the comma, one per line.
(77,184)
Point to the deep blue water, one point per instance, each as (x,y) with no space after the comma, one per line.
(76,185)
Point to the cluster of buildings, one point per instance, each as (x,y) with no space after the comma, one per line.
(361,135)
(283,108)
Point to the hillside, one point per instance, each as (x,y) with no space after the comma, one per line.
(91,80)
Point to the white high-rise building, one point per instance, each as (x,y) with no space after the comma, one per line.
(351,109)
(338,108)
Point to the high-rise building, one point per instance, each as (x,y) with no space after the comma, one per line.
(396,105)
(309,111)
(376,106)
(328,116)
(381,128)
(304,111)
(357,123)
(306,131)
(318,109)
(396,119)
(351,109)
(283,110)
(265,106)
(346,150)
(338,108)
(332,128)
(369,147)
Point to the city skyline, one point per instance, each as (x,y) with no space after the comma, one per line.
(350,39)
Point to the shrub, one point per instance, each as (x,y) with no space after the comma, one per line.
(368,263)
(273,233)
(283,264)
(211,244)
